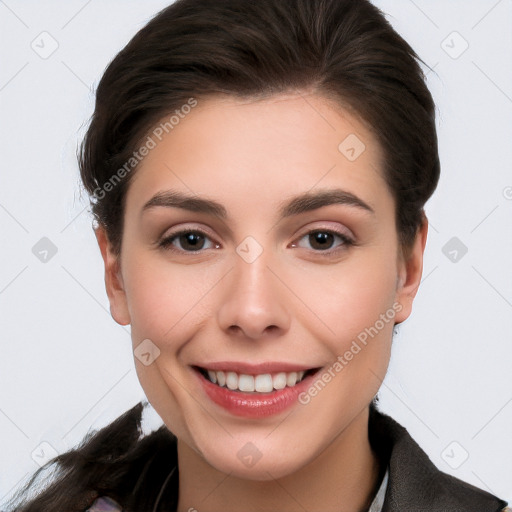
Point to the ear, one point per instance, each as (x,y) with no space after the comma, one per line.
(113,279)
(410,269)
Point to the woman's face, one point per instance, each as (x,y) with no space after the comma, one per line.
(260,245)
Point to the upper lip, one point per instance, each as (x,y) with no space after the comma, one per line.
(255,369)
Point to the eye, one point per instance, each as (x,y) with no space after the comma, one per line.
(324,240)
(188,241)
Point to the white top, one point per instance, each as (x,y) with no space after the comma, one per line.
(378,501)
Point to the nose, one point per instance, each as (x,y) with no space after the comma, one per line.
(253,303)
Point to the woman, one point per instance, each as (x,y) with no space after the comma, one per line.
(258,174)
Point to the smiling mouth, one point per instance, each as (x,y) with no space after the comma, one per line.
(261,383)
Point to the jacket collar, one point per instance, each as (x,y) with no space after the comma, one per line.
(415,484)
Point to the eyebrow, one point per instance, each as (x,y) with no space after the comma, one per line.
(173,199)
(314,200)
(303,203)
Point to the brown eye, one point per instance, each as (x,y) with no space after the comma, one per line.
(191,241)
(321,240)
(187,241)
(324,240)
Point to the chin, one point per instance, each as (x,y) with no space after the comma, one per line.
(258,460)
(274,467)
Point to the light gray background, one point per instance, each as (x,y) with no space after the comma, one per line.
(66,366)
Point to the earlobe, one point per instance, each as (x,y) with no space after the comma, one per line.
(113,279)
(410,270)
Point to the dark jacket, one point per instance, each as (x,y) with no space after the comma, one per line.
(415,484)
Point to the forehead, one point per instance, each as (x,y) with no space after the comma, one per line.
(233,148)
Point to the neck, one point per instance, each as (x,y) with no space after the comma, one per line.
(343,478)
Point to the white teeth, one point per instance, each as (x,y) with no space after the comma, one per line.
(291,379)
(263,383)
(246,383)
(232,380)
(221,378)
(279,381)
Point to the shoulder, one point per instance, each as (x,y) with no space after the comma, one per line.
(415,483)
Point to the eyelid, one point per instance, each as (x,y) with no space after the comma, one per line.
(186,227)
(347,240)
(165,241)
(336,229)
(345,234)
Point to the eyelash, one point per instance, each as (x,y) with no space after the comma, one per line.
(167,242)
(346,242)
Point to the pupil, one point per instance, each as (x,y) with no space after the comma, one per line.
(193,241)
(321,240)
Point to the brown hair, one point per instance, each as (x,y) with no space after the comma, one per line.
(342,49)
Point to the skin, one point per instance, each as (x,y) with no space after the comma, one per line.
(295,302)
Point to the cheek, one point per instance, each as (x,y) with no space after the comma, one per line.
(166,301)
(357,308)
(167,305)
(346,299)
(363,298)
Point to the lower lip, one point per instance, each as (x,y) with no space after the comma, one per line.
(254,405)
